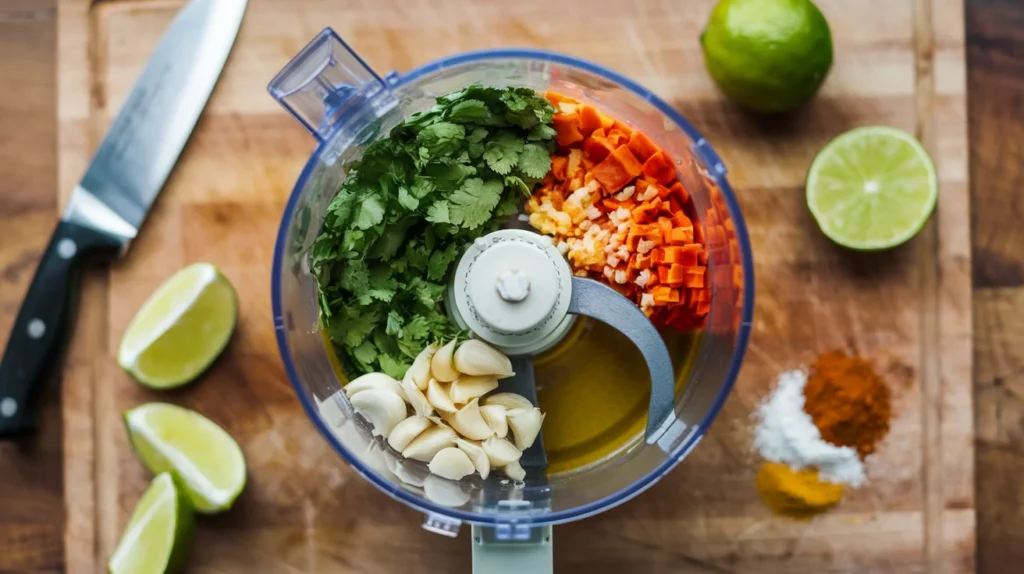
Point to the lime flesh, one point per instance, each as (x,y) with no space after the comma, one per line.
(205,459)
(767,55)
(872,188)
(159,532)
(181,329)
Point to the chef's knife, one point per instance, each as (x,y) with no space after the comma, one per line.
(109,205)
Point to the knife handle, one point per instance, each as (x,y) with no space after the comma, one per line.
(40,331)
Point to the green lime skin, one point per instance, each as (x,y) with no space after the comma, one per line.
(768,56)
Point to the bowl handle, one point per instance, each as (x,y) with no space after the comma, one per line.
(325,83)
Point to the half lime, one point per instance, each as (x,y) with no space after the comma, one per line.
(872,188)
(181,329)
(159,532)
(204,458)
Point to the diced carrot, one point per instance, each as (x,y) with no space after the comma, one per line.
(642,146)
(675,275)
(599,133)
(680,192)
(730,228)
(687,255)
(597,149)
(657,255)
(664,294)
(555,98)
(698,233)
(734,251)
(590,119)
(646,210)
(643,261)
(680,220)
(737,276)
(567,129)
(663,275)
(607,122)
(558,165)
(626,130)
(610,204)
(665,225)
(681,235)
(663,192)
(700,295)
(618,138)
(618,169)
(695,277)
(628,204)
(703,309)
(660,168)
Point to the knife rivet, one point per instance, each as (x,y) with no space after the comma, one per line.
(66,248)
(8,407)
(36,329)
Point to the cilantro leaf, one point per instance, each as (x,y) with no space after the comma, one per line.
(441,138)
(502,152)
(394,325)
(534,161)
(437,268)
(394,368)
(438,212)
(371,212)
(472,204)
(541,132)
(469,111)
(407,200)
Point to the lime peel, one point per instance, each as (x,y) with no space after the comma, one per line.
(159,532)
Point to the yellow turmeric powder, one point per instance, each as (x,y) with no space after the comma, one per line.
(799,494)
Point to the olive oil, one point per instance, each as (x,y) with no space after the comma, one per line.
(594,387)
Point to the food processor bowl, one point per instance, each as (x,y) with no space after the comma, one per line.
(345,105)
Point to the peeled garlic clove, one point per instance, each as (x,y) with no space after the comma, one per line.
(494,416)
(416,398)
(475,357)
(468,422)
(508,400)
(444,492)
(374,381)
(407,430)
(469,387)
(438,397)
(430,442)
(476,454)
(525,425)
(514,470)
(383,408)
(419,372)
(451,463)
(500,452)
(441,366)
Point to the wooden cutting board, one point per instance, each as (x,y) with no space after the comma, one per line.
(898,62)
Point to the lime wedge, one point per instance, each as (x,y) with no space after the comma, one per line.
(159,531)
(181,329)
(204,458)
(872,188)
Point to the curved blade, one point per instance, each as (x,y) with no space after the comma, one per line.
(154,123)
(524,383)
(603,303)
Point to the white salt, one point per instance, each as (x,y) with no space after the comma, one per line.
(786,434)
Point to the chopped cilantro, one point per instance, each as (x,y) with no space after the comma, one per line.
(391,236)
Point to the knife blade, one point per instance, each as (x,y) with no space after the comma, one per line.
(112,199)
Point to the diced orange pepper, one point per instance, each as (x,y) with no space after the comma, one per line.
(700,295)
(607,122)
(642,146)
(663,275)
(680,220)
(618,138)
(599,133)
(734,251)
(730,228)
(660,168)
(626,130)
(664,294)
(737,276)
(643,261)
(558,165)
(674,275)
(680,192)
(597,149)
(590,119)
(641,187)
(567,129)
(618,169)
(657,255)
(555,98)
(610,204)
(681,235)
(665,225)
(695,277)
(646,210)
(703,309)
(688,255)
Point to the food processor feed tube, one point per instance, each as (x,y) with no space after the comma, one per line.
(512,289)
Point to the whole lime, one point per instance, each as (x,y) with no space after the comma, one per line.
(767,55)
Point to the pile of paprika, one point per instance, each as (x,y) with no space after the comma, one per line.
(848,402)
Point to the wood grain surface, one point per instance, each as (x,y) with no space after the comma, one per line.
(656,533)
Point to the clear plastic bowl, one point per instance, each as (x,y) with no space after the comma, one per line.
(345,105)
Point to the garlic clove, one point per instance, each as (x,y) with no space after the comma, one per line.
(416,398)
(420,369)
(476,454)
(441,366)
(494,416)
(374,381)
(514,470)
(469,387)
(451,463)
(438,397)
(500,451)
(468,422)
(525,425)
(444,492)
(474,357)
(383,408)
(430,442)
(508,400)
(407,430)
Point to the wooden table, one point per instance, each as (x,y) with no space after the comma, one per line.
(31,519)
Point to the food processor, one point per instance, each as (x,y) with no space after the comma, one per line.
(513,289)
